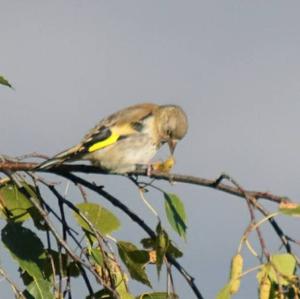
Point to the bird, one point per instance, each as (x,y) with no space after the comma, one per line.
(127,139)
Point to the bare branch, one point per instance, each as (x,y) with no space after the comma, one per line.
(214,184)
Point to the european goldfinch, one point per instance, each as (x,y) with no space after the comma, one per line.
(128,138)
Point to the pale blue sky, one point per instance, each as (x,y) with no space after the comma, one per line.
(234,66)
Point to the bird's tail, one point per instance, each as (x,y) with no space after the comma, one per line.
(67,155)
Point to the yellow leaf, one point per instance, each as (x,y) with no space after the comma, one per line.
(265,287)
(235,273)
(164,166)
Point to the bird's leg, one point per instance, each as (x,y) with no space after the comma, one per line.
(143,167)
(149,169)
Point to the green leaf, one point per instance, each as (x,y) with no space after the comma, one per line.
(27,249)
(161,247)
(134,259)
(176,214)
(148,243)
(290,209)
(102,294)
(97,256)
(14,204)
(174,251)
(224,293)
(158,295)
(139,256)
(66,267)
(101,218)
(285,264)
(126,295)
(38,220)
(22,243)
(4,82)
(26,278)
(119,279)
(36,290)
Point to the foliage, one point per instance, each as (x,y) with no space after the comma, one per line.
(44,266)
(4,82)
(49,260)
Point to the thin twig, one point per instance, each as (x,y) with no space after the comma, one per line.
(81,264)
(96,233)
(135,218)
(148,205)
(251,202)
(14,287)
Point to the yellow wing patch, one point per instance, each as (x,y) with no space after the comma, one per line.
(101,144)
(117,131)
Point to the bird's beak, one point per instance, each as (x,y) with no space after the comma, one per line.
(172,144)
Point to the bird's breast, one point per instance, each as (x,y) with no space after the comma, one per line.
(125,154)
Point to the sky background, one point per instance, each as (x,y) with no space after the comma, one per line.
(234,67)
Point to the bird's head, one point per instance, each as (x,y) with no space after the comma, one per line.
(172,125)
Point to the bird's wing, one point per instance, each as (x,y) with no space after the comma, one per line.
(117,126)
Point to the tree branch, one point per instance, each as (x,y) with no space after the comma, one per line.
(181,178)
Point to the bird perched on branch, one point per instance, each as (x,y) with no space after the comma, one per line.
(128,138)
